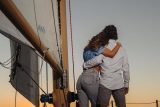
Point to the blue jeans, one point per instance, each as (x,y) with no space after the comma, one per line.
(87,87)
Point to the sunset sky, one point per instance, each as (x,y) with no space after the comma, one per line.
(138,24)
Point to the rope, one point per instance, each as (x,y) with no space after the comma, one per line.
(5,64)
(59,50)
(6,67)
(72,42)
(7,61)
(59,14)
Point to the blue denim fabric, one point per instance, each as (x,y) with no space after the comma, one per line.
(87,88)
(89,54)
(88,82)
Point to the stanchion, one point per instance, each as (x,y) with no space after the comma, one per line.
(157,103)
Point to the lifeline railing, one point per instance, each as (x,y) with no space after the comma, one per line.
(156,103)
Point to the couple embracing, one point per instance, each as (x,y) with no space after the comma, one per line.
(105,71)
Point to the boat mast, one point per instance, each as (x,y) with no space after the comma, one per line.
(60,95)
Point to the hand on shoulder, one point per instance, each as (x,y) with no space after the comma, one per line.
(119,44)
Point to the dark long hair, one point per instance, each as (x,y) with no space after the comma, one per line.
(97,41)
(111,32)
(101,39)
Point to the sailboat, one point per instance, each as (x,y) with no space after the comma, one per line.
(38,28)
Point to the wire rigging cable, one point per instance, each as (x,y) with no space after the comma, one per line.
(141,103)
(59,49)
(72,43)
(7,62)
(47,77)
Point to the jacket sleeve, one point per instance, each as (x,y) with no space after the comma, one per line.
(93,62)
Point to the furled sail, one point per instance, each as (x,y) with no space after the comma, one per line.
(24,72)
(9,30)
(43,18)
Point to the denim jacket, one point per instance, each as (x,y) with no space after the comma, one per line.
(89,54)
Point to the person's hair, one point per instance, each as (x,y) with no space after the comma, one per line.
(101,39)
(97,41)
(111,32)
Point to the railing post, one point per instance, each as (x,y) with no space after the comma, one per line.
(157,103)
(112,103)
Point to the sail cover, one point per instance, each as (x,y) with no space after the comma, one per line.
(42,15)
(24,73)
